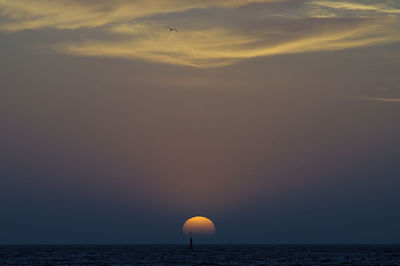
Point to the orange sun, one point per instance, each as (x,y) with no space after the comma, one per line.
(199,226)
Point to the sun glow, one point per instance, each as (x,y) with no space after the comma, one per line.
(199,226)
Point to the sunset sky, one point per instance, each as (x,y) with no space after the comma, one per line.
(277,119)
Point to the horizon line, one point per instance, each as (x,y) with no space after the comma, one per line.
(202,244)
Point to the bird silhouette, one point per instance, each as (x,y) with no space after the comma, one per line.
(171,29)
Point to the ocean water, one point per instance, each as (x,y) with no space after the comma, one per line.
(202,255)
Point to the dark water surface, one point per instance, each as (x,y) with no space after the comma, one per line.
(202,255)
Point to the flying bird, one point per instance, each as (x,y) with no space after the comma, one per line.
(172,29)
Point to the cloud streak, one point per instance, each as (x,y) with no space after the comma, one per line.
(64,14)
(212,33)
(377,7)
(380,99)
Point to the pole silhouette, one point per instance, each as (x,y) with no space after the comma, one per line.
(190,241)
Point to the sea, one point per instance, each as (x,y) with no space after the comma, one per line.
(201,255)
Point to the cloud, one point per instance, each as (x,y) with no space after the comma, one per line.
(379,99)
(377,7)
(64,14)
(213,47)
(212,32)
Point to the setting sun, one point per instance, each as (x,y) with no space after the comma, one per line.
(199,226)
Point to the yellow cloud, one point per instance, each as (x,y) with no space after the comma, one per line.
(381,8)
(73,14)
(136,31)
(219,47)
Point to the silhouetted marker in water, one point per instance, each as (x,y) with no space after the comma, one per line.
(190,241)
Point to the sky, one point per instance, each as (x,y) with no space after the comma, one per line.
(277,119)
